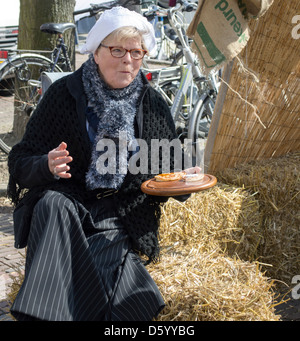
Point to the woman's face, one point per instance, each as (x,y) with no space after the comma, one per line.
(118,72)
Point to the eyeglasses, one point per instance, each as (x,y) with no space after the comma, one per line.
(119,52)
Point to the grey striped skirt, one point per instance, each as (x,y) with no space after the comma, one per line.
(80,267)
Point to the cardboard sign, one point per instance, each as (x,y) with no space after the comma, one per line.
(220,29)
(219,32)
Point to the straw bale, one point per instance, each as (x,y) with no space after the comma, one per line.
(225,218)
(208,286)
(200,274)
(276,184)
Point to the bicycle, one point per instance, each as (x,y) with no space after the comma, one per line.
(20,86)
(169,52)
(190,95)
(165,41)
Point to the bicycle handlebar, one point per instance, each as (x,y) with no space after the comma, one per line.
(187,6)
(96,8)
(183,5)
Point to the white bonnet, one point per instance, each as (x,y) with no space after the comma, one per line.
(115,18)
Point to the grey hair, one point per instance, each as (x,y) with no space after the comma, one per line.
(124,33)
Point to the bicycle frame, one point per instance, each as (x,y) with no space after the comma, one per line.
(187,52)
(56,53)
(185,83)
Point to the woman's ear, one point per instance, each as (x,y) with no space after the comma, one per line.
(96,56)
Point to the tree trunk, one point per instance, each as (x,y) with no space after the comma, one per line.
(34,13)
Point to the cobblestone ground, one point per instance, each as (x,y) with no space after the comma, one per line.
(11,259)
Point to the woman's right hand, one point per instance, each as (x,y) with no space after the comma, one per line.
(58,160)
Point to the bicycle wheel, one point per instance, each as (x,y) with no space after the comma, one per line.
(203,119)
(199,125)
(19,94)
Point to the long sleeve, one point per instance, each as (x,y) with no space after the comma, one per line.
(34,171)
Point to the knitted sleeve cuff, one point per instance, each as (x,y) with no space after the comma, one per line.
(45,171)
(34,171)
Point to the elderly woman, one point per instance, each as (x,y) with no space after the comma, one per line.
(85,228)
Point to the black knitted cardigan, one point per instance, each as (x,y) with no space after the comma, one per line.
(60,116)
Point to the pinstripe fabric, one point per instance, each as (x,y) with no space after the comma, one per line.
(79,267)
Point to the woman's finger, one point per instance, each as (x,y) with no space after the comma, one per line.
(58,158)
(61,171)
(61,161)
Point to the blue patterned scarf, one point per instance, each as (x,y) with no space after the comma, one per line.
(110,117)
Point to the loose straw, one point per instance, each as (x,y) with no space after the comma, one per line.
(244,100)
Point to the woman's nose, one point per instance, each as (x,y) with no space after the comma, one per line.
(127,57)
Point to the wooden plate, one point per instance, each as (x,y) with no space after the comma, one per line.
(179,187)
